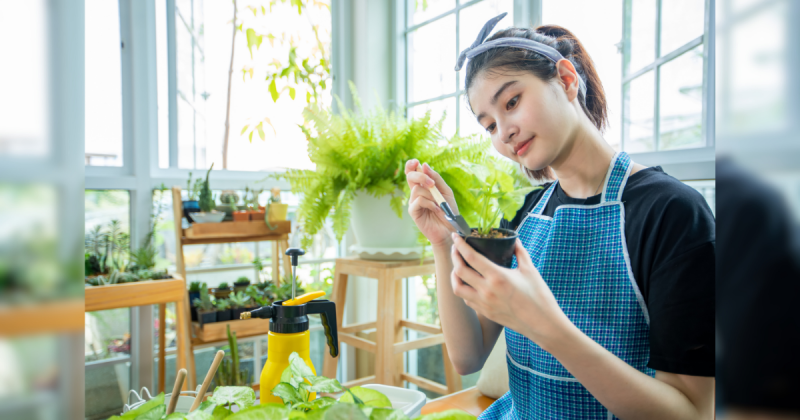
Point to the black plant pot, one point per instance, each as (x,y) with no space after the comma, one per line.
(224,315)
(498,250)
(190,206)
(193,310)
(206,317)
(238,311)
(240,287)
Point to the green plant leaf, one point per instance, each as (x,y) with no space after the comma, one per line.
(253,39)
(447,415)
(387,414)
(243,396)
(368,396)
(260,129)
(176,416)
(273,90)
(144,408)
(244,129)
(322,384)
(299,367)
(221,413)
(199,415)
(342,411)
(297,415)
(261,412)
(291,92)
(154,414)
(318,414)
(287,393)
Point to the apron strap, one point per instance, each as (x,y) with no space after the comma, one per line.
(545,198)
(617,177)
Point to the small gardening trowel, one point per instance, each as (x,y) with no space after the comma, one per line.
(458,222)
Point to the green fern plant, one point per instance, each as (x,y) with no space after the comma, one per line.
(367,151)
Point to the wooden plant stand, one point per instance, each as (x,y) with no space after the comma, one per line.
(389,345)
(220,233)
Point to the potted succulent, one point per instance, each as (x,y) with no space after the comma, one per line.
(191,204)
(194,294)
(238,215)
(240,302)
(241,284)
(501,194)
(222,291)
(206,311)
(207,213)
(228,203)
(223,309)
(360,173)
(255,211)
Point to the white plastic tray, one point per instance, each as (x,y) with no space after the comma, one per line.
(407,400)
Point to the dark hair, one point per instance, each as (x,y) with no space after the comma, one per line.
(593,101)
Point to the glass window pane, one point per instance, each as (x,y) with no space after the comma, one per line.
(431,58)
(681,102)
(162,81)
(103,84)
(468,124)
(681,22)
(24,96)
(640,42)
(472,19)
(753,77)
(445,108)
(600,38)
(638,114)
(421,10)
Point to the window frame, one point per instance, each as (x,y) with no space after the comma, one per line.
(140,172)
(684,164)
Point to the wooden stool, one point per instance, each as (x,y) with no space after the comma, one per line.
(389,345)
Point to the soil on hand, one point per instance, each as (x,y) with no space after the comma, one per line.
(494,234)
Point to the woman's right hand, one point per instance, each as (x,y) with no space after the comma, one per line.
(423,208)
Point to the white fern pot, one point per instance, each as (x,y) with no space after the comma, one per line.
(380,234)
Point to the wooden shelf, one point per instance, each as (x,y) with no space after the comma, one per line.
(226,232)
(150,292)
(216,331)
(42,318)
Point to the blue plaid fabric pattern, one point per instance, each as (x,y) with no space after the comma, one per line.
(582,255)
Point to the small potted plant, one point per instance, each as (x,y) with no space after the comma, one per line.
(206,311)
(257,296)
(238,215)
(501,194)
(240,302)
(207,213)
(228,203)
(222,291)
(223,309)
(191,204)
(241,284)
(256,211)
(194,294)
(276,211)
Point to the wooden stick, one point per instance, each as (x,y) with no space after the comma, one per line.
(176,391)
(206,382)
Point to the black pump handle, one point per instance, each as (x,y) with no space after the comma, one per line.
(327,311)
(294,253)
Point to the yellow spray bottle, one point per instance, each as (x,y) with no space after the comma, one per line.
(288,332)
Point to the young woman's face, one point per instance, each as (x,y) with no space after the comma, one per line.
(530,121)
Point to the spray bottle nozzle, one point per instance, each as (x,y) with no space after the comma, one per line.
(264,312)
(294,253)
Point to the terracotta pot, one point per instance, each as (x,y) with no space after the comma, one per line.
(257,216)
(241,216)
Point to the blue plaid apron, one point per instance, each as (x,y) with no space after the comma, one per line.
(582,255)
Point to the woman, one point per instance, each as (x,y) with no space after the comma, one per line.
(609,307)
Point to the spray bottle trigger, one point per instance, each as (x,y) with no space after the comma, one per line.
(327,311)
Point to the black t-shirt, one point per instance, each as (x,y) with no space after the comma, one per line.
(670,232)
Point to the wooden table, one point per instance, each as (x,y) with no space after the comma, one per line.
(152,292)
(389,345)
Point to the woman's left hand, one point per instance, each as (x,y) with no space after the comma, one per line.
(518,299)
